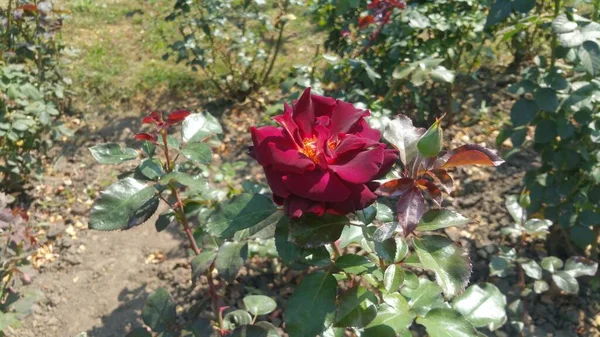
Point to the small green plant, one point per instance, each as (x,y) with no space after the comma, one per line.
(535,276)
(358,230)
(235,43)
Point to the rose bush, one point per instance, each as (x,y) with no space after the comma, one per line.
(322,158)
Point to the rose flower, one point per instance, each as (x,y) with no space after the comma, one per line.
(322,157)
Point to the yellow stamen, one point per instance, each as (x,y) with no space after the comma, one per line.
(309,148)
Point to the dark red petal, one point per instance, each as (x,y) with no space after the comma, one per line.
(287,123)
(345,116)
(177,116)
(289,159)
(323,106)
(261,137)
(360,197)
(317,185)
(304,114)
(278,200)
(349,143)
(318,208)
(390,156)
(145,136)
(359,168)
(322,134)
(275,180)
(295,206)
(363,129)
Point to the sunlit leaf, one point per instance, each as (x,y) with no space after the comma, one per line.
(470,154)
(389,322)
(580,266)
(354,264)
(159,311)
(112,153)
(404,136)
(482,305)
(311,309)
(243,211)
(357,308)
(199,126)
(449,262)
(230,258)
(440,218)
(395,187)
(446,323)
(259,304)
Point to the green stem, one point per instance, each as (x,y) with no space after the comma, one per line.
(477,53)
(554,37)
(8,21)
(596,9)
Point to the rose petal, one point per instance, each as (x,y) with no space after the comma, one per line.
(349,143)
(360,197)
(295,206)
(323,106)
(317,185)
(145,136)
(363,129)
(289,160)
(304,114)
(275,180)
(345,116)
(359,168)
(390,156)
(289,126)
(261,137)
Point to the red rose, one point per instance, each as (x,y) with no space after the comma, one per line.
(322,158)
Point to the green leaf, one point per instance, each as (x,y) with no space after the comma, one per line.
(151,168)
(500,266)
(164,220)
(545,131)
(236,318)
(482,306)
(314,231)
(124,204)
(354,264)
(112,153)
(539,286)
(589,56)
(201,262)
(149,148)
(295,256)
(440,218)
(446,323)
(514,208)
(159,311)
(589,218)
(532,269)
(197,152)
(357,308)
(499,11)
(254,331)
(199,126)
(259,304)
(546,99)
(201,327)
(393,278)
(426,296)
(441,74)
(552,263)
(350,234)
(195,184)
(430,143)
(523,6)
(579,266)
(404,70)
(401,133)
(389,322)
(243,211)
(311,309)
(449,262)
(230,258)
(566,282)
(523,112)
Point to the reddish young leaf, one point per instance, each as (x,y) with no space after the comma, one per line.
(470,154)
(177,116)
(411,207)
(442,178)
(433,191)
(28,8)
(396,187)
(364,21)
(145,136)
(153,118)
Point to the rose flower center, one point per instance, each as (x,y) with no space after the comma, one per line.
(309,148)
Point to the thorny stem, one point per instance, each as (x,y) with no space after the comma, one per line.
(163,133)
(214,297)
